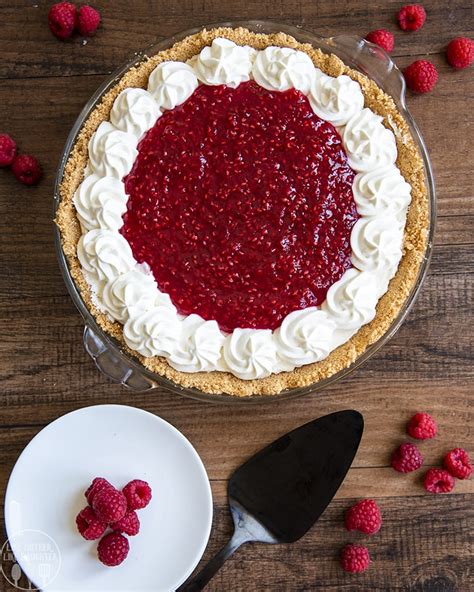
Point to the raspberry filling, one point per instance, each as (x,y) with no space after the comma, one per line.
(240,201)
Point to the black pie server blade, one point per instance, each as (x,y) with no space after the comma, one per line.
(277,495)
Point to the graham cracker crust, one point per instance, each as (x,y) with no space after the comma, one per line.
(415,239)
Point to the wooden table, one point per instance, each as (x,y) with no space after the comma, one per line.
(45,372)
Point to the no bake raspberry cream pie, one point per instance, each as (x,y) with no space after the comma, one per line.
(234,212)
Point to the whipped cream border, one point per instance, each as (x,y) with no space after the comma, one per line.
(128,292)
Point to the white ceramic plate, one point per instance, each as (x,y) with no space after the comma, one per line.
(46,491)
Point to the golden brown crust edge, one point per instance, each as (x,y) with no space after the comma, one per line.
(409,162)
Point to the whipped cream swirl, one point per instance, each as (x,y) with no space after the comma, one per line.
(380,192)
(171,83)
(104,254)
(224,62)
(100,202)
(376,243)
(134,111)
(250,353)
(282,68)
(111,151)
(336,99)
(154,332)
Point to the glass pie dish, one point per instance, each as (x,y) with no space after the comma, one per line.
(108,354)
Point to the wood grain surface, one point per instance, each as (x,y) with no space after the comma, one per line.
(424,544)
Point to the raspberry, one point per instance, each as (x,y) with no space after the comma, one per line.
(110,505)
(62,19)
(7,150)
(98,484)
(406,458)
(355,558)
(364,516)
(113,549)
(27,169)
(421,76)
(460,52)
(411,17)
(89,525)
(138,494)
(129,524)
(88,21)
(422,426)
(458,463)
(438,481)
(382,38)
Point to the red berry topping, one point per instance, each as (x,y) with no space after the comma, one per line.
(460,52)
(411,17)
(7,150)
(382,38)
(98,484)
(129,524)
(62,19)
(421,76)
(407,458)
(458,463)
(27,169)
(113,549)
(110,505)
(355,558)
(438,481)
(422,426)
(88,21)
(89,525)
(138,494)
(213,186)
(364,516)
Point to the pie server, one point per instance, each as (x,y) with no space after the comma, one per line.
(277,495)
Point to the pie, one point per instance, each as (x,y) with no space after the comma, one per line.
(243,213)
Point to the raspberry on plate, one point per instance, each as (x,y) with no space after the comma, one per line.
(458,463)
(460,52)
(62,20)
(382,38)
(421,76)
(7,150)
(27,169)
(129,524)
(113,549)
(88,20)
(438,481)
(90,527)
(406,458)
(355,558)
(422,426)
(98,484)
(110,505)
(411,17)
(138,494)
(364,516)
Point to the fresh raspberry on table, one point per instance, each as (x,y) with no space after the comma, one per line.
(382,38)
(458,463)
(422,426)
(421,76)
(113,549)
(460,52)
(138,494)
(364,516)
(411,17)
(110,505)
(98,484)
(62,20)
(355,558)
(406,458)
(129,524)
(7,150)
(27,169)
(90,527)
(88,20)
(438,481)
